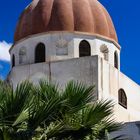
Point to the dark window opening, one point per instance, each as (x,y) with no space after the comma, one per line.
(13,60)
(116,60)
(122,98)
(84,49)
(40,53)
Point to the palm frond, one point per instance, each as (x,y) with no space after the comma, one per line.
(14,103)
(76,96)
(43,112)
(93,120)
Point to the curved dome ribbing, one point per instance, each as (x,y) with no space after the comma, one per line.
(65,15)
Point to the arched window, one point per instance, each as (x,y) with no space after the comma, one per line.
(40,53)
(22,55)
(84,49)
(116,60)
(104,51)
(122,98)
(13,60)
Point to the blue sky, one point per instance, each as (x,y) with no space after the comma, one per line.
(126,18)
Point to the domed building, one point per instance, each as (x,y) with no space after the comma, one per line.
(66,40)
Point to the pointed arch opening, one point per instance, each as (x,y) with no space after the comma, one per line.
(122,98)
(84,49)
(13,60)
(40,53)
(116,65)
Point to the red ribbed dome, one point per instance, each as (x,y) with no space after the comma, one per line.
(65,15)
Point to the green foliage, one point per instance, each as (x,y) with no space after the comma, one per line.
(46,112)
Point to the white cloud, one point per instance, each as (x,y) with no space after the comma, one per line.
(4,51)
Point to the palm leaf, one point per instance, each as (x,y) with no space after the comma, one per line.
(76,96)
(93,120)
(12,108)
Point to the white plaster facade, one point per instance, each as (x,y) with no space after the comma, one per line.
(63,64)
(62,45)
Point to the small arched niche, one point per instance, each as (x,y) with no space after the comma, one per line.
(122,98)
(84,48)
(116,65)
(104,50)
(22,55)
(13,60)
(40,53)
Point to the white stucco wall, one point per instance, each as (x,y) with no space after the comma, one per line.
(83,69)
(110,81)
(90,70)
(62,46)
